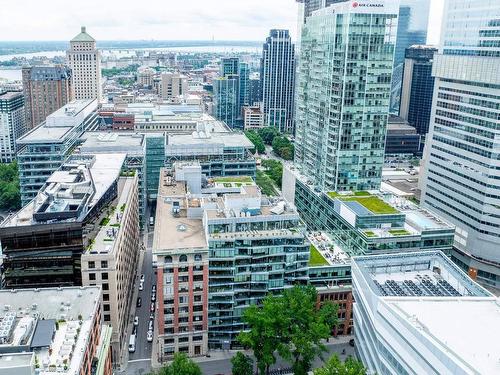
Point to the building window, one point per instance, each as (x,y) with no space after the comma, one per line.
(183,258)
(197,338)
(91,276)
(104,264)
(105,297)
(104,276)
(168,259)
(105,286)
(183,339)
(91,264)
(107,318)
(197,257)
(105,307)
(197,298)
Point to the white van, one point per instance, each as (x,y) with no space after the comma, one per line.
(151,220)
(131,344)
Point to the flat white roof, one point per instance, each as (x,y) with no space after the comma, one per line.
(227,139)
(468,329)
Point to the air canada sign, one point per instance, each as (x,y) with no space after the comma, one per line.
(356,4)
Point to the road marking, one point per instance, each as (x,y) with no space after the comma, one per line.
(139,360)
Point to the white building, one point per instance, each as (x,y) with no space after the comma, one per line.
(173,85)
(253,117)
(418,313)
(461,180)
(85,63)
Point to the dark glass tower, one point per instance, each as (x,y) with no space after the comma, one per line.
(417,88)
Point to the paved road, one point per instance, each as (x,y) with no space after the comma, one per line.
(223,366)
(139,362)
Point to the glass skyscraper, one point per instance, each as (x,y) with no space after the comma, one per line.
(277,79)
(412,30)
(227,99)
(343,92)
(461,181)
(417,89)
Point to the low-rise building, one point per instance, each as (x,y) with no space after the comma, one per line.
(253,117)
(45,148)
(219,153)
(43,242)
(412,315)
(53,330)
(367,222)
(111,259)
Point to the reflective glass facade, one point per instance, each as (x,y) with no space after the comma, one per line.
(412,30)
(342,95)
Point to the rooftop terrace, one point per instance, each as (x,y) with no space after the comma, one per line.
(53,323)
(364,203)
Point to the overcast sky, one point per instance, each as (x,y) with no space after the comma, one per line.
(156,19)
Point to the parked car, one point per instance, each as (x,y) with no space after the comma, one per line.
(153,288)
(351,342)
(141,285)
(153,297)
(151,315)
(150,336)
(139,302)
(142,277)
(152,307)
(136,321)
(150,325)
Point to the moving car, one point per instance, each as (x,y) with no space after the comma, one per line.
(139,302)
(150,336)
(136,321)
(142,277)
(141,285)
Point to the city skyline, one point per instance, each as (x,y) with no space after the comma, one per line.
(194,20)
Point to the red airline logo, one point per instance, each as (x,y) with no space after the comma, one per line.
(355,4)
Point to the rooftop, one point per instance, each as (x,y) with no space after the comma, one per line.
(364,203)
(36,319)
(324,251)
(59,124)
(416,274)
(173,229)
(430,293)
(83,36)
(442,322)
(104,241)
(71,192)
(9,95)
(129,142)
(209,140)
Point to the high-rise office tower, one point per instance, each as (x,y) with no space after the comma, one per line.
(227,99)
(46,89)
(12,124)
(254,90)
(412,29)
(229,66)
(310,6)
(462,163)
(85,63)
(277,80)
(417,89)
(244,73)
(343,92)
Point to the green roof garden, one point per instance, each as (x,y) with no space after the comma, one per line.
(399,232)
(316,259)
(367,200)
(230,179)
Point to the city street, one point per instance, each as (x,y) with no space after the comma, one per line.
(139,362)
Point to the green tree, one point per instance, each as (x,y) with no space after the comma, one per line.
(274,169)
(308,327)
(255,138)
(10,197)
(283,147)
(181,365)
(265,336)
(267,134)
(335,366)
(242,364)
(289,325)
